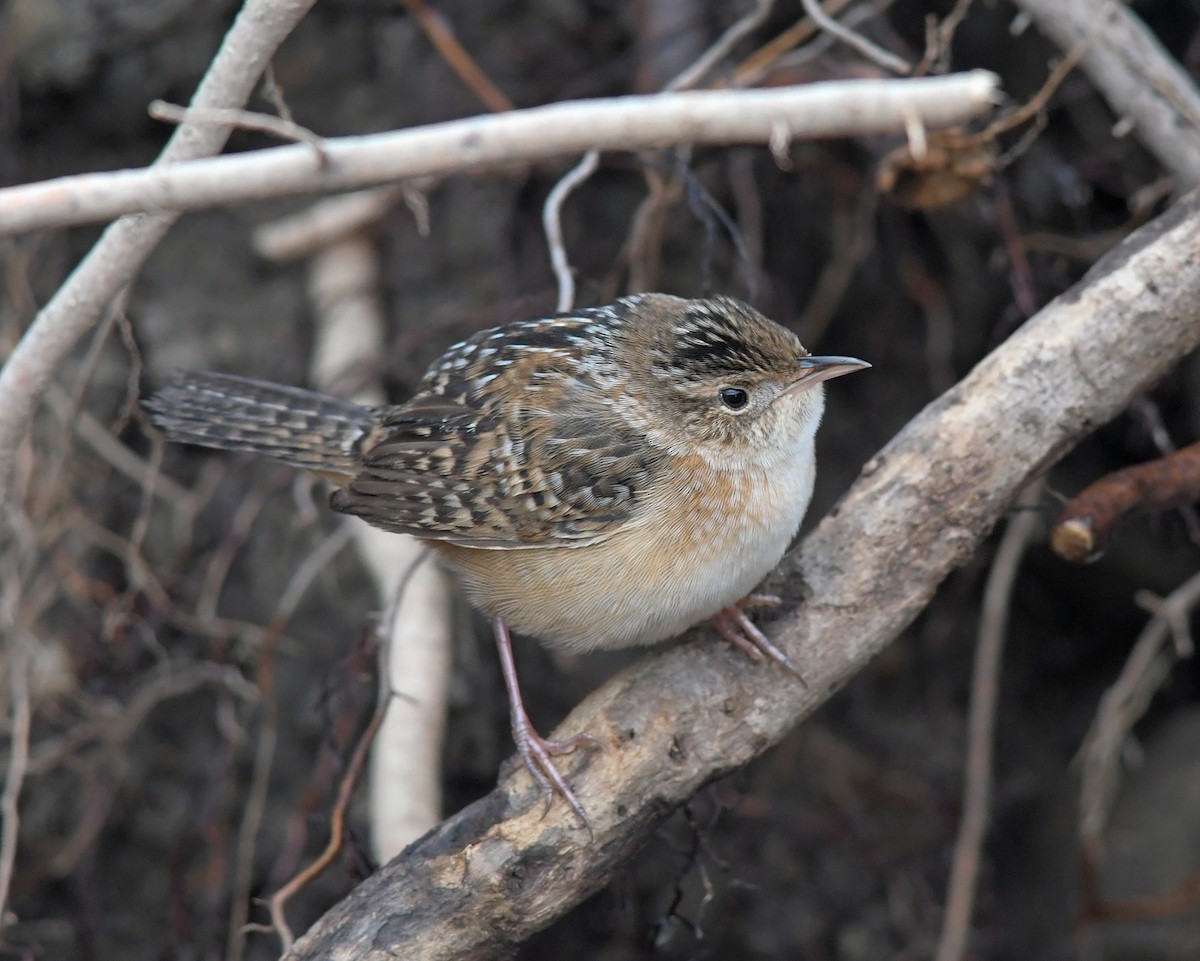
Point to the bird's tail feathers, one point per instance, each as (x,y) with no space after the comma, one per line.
(299,427)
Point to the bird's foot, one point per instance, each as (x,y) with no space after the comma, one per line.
(733,624)
(538,753)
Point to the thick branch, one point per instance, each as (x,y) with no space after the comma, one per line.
(492,875)
(843,108)
(1141,81)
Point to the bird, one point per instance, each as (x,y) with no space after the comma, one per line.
(598,479)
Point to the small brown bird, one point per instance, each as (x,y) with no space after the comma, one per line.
(599,479)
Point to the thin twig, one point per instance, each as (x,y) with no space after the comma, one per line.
(273,91)
(317,560)
(264,754)
(1151,416)
(927,294)
(643,246)
(755,66)
(1147,666)
(853,227)
(279,127)
(256,798)
(704,64)
(123,460)
(268,736)
(455,54)
(114,722)
(981,721)
(18,757)
(822,43)
(748,212)
(222,558)
(552,224)
(937,52)
(112,726)
(337,819)
(51,467)
(885,58)
(710,213)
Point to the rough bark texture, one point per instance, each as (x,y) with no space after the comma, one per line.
(498,871)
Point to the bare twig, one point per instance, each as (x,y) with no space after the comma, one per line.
(981,722)
(552,225)
(280,127)
(873,52)
(256,33)
(143,578)
(114,723)
(1151,416)
(707,61)
(1148,664)
(264,753)
(18,758)
(337,820)
(406,765)
(273,91)
(110,727)
(1082,529)
(795,60)
(941,35)
(455,54)
(643,247)
(755,66)
(927,294)
(100,439)
(221,559)
(748,210)
(853,228)
(256,797)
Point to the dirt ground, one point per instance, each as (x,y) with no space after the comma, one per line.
(157,671)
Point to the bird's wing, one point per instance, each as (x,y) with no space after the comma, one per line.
(520,448)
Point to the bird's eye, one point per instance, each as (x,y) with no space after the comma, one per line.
(735,398)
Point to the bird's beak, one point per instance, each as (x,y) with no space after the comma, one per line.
(813,370)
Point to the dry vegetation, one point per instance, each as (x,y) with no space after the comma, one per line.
(191,641)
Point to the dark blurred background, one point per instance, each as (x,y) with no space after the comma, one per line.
(837,844)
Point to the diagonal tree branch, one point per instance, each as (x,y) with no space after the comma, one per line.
(496,872)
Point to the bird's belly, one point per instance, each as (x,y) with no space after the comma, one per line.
(652,580)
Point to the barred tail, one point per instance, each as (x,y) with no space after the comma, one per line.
(299,427)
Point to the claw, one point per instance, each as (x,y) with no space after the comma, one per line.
(733,624)
(538,753)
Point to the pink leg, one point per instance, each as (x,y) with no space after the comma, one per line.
(735,626)
(537,752)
